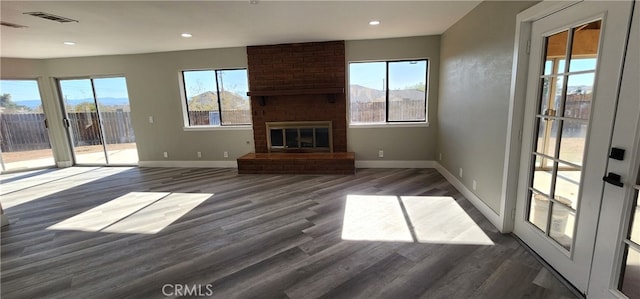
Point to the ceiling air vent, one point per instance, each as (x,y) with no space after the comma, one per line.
(12,25)
(51,17)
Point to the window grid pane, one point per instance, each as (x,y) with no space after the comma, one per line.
(202,89)
(391,91)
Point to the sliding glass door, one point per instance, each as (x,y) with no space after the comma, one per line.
(98,116)
(24,136)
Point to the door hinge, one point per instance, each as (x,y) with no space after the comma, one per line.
(513,214)
(528,46)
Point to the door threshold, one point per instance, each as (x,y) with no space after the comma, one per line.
(551,270)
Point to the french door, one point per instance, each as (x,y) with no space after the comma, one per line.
(616,261)
(98,118)
(575,63)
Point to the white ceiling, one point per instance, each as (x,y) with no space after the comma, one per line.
(126,27)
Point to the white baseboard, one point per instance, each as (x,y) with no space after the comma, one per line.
(395,164)
(190,164)
(492,216)
(3,220)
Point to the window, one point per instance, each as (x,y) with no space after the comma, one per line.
(216,97)
(388,91)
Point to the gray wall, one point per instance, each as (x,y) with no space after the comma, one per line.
(476,58)
(153,85)
(398,143)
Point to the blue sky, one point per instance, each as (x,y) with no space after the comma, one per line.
(27,90)
(105,88)
(401,74)
(197,82)
(20,90)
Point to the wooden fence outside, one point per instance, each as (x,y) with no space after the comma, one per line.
(368,112)
(212,118)
(23,132)
(86,128)
(27,131)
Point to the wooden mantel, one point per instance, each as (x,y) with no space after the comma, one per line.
(330,92)
(294,92)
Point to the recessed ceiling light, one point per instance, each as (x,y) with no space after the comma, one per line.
(253,2)
(374,23)
(186,35)
(69,43)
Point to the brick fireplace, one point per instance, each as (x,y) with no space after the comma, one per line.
(298,83)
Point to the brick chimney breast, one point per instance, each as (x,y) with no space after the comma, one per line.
(300,80)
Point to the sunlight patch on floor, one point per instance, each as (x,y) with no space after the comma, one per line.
(418,219)
(439,219)
(52,183)
(374,218)
(135,213)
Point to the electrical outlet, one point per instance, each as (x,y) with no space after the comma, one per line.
(460,172)
(166,155)
(150,119)
(440,157)
(199,154)
(226,154)
(475,185)
(380,154)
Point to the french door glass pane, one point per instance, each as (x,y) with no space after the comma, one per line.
(551,95)
(630,282)
(572,144)
(567,186)
(579,96)
(84,123)
(585,45)
(539,210)
(24,140)
(547,136)
(562,223)
(115,113)
(565,108)
(635,224)
(556,48)
(542,177)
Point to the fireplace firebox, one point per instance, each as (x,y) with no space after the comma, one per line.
(299,136)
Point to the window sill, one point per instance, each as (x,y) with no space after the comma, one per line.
(389,125)
(218,128)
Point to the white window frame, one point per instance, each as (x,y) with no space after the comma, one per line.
(386,123)
(185,107)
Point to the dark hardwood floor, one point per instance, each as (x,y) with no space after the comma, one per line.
(136,232)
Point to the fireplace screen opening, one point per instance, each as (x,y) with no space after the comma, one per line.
(299,136)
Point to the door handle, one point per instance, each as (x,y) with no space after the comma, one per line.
(66,122)
(613,179)
(46,123)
